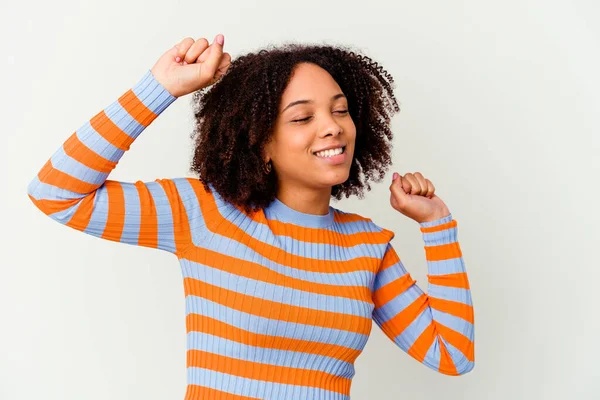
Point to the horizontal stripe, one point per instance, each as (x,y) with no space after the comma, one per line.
(259,306)
(64,163)
(350,286)
(200,324)
(273,327)
(281,292)
(277,357)
(258,388)
(268,373)
(449,293)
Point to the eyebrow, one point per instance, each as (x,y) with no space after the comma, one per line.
(293,103)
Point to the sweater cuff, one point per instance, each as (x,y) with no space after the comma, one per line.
(154,95)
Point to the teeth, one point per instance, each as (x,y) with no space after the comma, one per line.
(330,152)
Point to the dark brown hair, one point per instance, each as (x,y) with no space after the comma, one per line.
(234,119)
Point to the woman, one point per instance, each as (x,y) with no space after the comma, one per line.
(281,288)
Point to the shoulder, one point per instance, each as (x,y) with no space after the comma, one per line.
(360,223)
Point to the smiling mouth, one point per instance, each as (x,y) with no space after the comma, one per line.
(343,151)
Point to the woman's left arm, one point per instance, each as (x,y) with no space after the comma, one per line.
(437,328)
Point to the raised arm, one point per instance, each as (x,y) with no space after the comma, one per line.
(437,329)
(72,186)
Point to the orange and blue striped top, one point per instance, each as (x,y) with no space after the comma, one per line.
(279,303)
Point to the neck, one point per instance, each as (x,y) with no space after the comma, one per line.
(303,199)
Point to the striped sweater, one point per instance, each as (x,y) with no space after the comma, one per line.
(279,303)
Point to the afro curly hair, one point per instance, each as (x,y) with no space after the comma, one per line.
(234,119)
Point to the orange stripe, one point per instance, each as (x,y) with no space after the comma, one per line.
(422,344)
(456,280)
(83,214)
(116,211)
(390,258)
(309,235)
(443,252)
(195,392)
(275,310)
(52,206)
(437,228)
(268,372)
(111,132)
(259,272)
(455,308)
(182,233)
(215,222)
(148,235)
(52,176)
(134,106)
(389,291)
(397,324)
(457,340)
(211,326)
(75,149)
(446,363)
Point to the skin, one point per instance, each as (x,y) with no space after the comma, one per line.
(305,181)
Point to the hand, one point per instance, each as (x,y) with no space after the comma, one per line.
(191,65)
(413,196)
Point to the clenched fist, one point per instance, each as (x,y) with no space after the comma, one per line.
(191,65)
(413,196)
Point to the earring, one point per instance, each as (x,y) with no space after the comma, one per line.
(267,167)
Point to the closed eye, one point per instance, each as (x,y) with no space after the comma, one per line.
(307,118)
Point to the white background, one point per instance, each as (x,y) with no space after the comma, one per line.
(500,108)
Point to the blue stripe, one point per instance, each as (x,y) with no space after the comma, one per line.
(92,139)
(152,94)
(278,293)
(433,355)
(131,227)
(453,322)
(273,327)
(398,304)
(65,163)
(247,254)
(443,267)
(450,293)
(99,213)
(192,210)
(284,358)
(257,388)
(412,332)
(164,215)
(440,221)
(43,191)
(122,119)
(390,274)
(65,216)
(462,364)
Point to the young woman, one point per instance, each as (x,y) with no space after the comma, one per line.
(281,288)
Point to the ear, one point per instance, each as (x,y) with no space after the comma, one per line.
(267,153)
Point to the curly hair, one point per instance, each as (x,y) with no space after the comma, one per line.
(235,116)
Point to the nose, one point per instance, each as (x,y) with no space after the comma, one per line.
(331,129)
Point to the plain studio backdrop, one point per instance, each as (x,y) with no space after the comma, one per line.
(500,109)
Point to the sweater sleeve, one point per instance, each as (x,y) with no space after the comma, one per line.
(72,186)
(437,329)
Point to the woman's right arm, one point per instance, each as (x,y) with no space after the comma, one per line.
(72,186)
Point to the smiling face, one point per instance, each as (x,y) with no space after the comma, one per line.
(313,115)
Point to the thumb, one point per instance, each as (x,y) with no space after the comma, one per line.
(216,52)
(397,189)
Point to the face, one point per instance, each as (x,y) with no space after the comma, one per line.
(313,115)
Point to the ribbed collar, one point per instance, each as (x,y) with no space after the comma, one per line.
(281,212)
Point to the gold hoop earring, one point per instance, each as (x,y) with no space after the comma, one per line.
(267,167)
